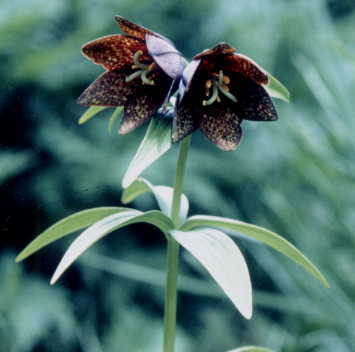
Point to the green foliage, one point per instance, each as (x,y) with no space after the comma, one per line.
(163,195)
(268,237)
(293,176)
(67,226)
(223,260)
(156,142)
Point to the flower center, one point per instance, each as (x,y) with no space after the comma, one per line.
(142,69)
(218,84)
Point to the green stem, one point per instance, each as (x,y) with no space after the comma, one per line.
(179,180)
(173,252)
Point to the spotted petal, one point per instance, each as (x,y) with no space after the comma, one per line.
(145,102)
(114,51)
(253,102)
(132,29)
(246,66)
(185,121)
(221,127)
(109,89)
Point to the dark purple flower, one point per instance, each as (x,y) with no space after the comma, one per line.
(141,69)
(219,89)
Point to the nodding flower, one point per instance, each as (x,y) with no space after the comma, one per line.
(218,90)
(142,71)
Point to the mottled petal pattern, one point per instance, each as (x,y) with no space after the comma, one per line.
(137,111)
(253,102)
(132,29)
(109,89)
(185,122)
(114,51)
(221,127)
(247,67)
(219,49)
(145,102)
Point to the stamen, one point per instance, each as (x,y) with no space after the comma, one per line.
(226,80)
(220,84)
(213,97)
(145,79)
(227,94)
(134,75)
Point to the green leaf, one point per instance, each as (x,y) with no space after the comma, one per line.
(155,143)
(103,228)
(89,113)
(276,89)
(67,226)
(268,237)
(251,349)
(114,117)
(223,260)
(162,194)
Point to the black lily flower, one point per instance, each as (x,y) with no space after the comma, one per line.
(141,69)
(218,90)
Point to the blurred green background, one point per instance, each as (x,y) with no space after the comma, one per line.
(294,176)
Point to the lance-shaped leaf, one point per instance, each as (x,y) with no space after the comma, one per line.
(223,260)
(276,89)
(114,117)
(162,194)
(103,228)
(251,349)
(67,226)
(155,143)
(268,237)
(89,113)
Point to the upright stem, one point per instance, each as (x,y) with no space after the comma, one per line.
(173,252)
(179,180)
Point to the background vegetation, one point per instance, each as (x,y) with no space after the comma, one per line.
(295,177)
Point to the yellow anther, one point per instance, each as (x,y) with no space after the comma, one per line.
(152,66)
(226,88)
(226,80)
(208,84)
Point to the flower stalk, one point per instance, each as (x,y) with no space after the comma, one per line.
(173,247)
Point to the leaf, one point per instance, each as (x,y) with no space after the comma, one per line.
(103,228)
(223,260)
(89,113)
(67,226)
(276,89)
(162,194)
(251,349)
(114,117)
(155,143)
(268,237)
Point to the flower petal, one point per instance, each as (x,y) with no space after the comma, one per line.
(247,67)
(109,89)
(219,49)
(187,76)
(221,126)
(132,29)
(165,55)
(185,122)
(145,102)
(253,102)
(114,51)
